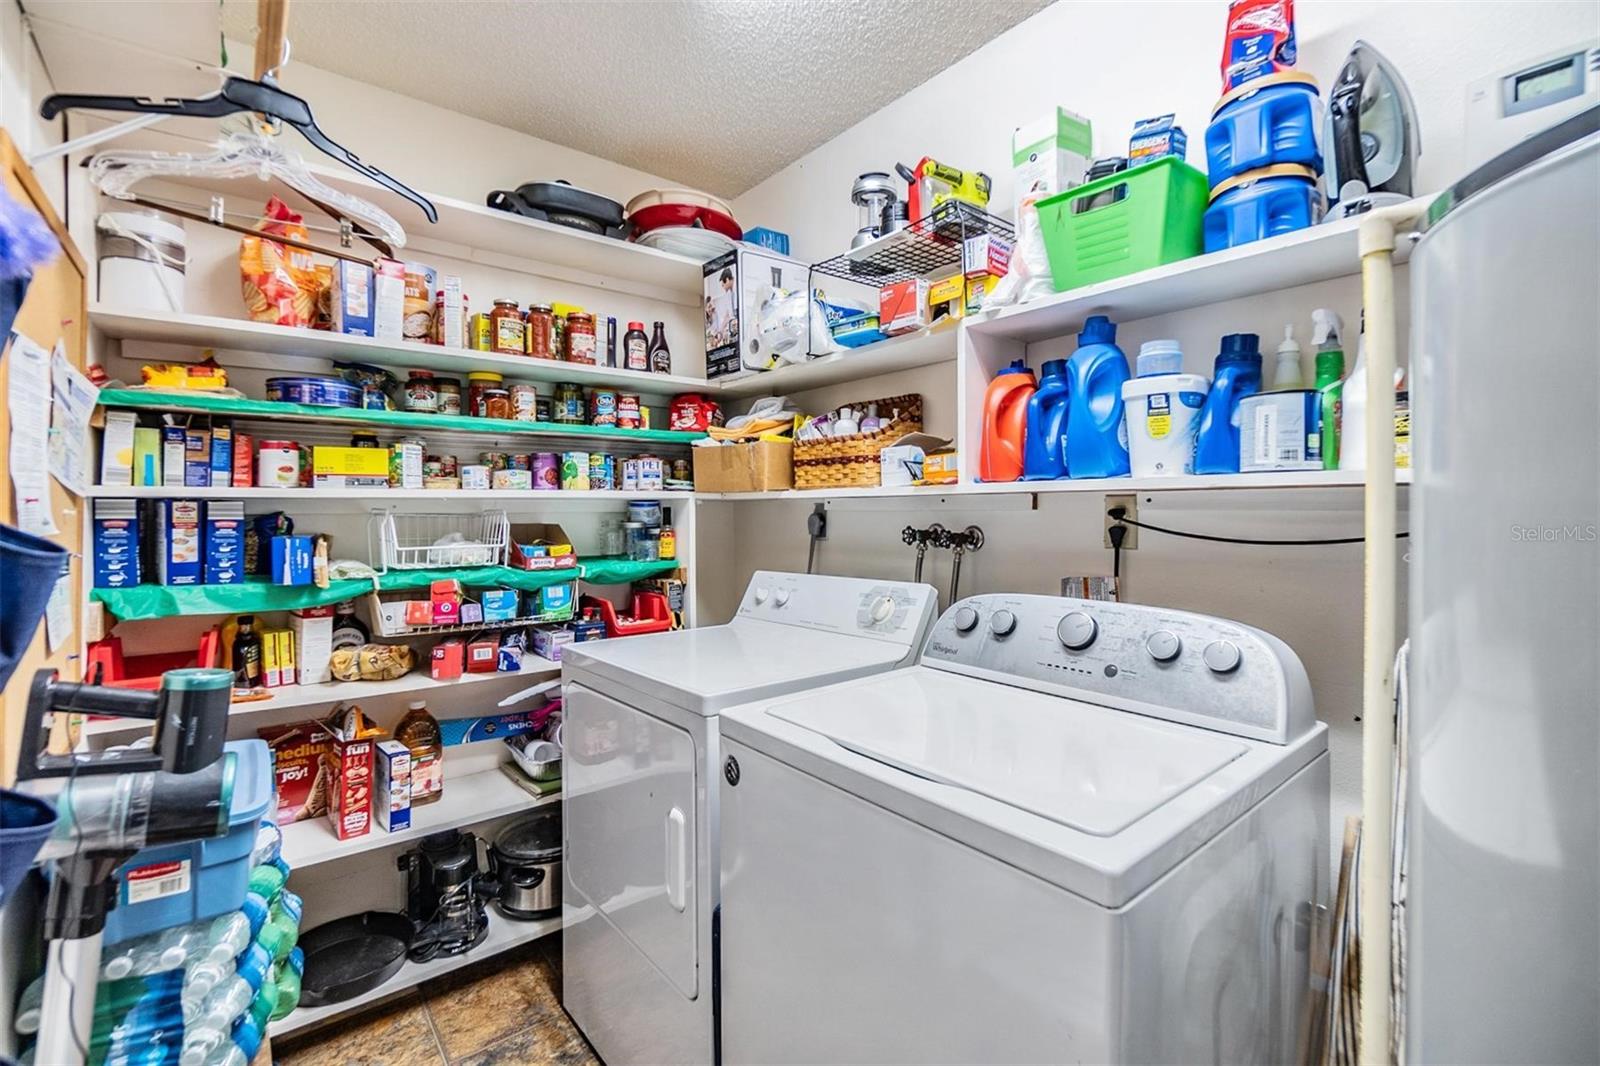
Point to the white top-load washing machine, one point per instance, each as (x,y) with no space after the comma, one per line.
(1075,832)
(640,787)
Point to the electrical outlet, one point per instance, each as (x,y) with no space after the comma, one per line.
(1130,505)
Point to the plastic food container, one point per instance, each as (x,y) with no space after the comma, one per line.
(1125,222)
(1261,204)
(1263,123)
(142,260)
(198,879)
(319,392)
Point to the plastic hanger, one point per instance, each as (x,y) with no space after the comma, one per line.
(240,94)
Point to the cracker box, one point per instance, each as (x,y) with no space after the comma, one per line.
(347,762)
(391,785)
(297,768)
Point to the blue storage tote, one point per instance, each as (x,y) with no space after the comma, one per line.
(1264,123)
(197,879)
(1261,204)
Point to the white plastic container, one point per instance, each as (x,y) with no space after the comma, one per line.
(1163,413)
(141,261)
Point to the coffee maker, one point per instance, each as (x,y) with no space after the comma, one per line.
(445,895)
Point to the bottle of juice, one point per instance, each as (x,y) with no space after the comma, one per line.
(419,731)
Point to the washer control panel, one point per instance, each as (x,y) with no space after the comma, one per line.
(1171,664)
(898,611)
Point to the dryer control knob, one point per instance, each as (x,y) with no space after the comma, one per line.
(966,620)
(762,593)
(781,597)
(1221,656)
(1002,623)
(1163,645)
(882,609)
(1077,630)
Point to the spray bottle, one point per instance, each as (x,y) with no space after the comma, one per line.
(1325,329)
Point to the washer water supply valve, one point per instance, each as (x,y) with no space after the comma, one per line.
(968,540)
(921,539)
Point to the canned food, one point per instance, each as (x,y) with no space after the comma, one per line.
(602,472)
(630,475)
(575,471)
(520,462)
(278,464)
(524,403)
(307,480)
(447,466)
(373,398)
(546,470)
(432,466)
(603,407)
(475,476)
(650,474)
(519,480)
(568,407)
(495,460)
(627,410)
(543,409)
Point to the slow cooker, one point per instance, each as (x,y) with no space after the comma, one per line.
(526,863)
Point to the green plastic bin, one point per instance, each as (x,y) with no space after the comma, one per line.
(1151,215)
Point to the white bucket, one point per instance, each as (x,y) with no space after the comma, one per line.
(142,260)
(1163,413)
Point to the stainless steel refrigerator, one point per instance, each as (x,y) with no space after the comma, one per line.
(1502,915)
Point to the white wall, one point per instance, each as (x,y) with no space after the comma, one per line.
(1118,62)
(23,81)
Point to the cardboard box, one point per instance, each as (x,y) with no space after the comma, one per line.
(447,660)
(116,448)
(345,481)
(418,612)
(348,765)
(483,656)
(312,629)
(947,298)
(285,655)
(297,752)
(388,299)
(903,306)
(172,452)
(224,542)
(553,601)
(549,640)
(271,669)
(178,538)
(985,255)
(1156,137)
(221,454)
(450,327)
(541,546)
(940,467)
(1049,155)
(391,785)
(351,462)
(146,457)
(759,466)
(116,544)
(352,298)
(291,560)
(735,286)
(405,466)
(196,458)
(499,605)
(244,461)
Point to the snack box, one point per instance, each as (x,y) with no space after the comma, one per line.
(549,640)
(499,605)
(296,765)
(391,785)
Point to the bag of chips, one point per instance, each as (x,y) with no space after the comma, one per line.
(280,283)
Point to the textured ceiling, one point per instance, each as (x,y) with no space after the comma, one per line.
(717,94)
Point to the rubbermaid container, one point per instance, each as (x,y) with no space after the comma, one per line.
(1125,222)
(192,880)
(1261,204)
(1263,123)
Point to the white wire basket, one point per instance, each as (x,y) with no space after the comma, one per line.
(438,541)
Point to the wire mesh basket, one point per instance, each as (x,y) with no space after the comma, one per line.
(438,541)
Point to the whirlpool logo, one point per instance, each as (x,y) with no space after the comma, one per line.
(945,650)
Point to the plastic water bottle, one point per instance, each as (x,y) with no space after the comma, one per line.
(290,972)
(219,1009)
(265,1003)
(269,844)
(199,1042)
(166,949)
(256,909)
(284,925)
(1097,429)
(229,936)
(267,879)
(229,1054)
(29,1006)
(249,973)
(248,1036)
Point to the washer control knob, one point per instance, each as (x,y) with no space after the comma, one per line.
(1221,656)
(1002,623)
(966,620)
(780,598)
(1163,645)
(882,608)
(762,592)
(1077,630)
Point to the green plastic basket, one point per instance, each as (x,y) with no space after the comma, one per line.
(1151,215)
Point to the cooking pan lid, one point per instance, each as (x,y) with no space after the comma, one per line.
(534,838)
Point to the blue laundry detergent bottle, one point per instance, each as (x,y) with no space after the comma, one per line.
(1044,445)
(1097,432)
(1238,375)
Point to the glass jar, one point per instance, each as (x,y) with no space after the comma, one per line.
(568,406)
(506,329)
(524,403)
(580,338)
(421,394)
(541,331)
(449,396)
(652,543)
(634,535)
(496,403)
(612,541)
(364,438)
(478,381)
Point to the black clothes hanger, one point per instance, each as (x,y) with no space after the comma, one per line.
(236,95)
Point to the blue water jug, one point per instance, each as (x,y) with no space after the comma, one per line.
(1238,375)
(1097,433)
(1044,445)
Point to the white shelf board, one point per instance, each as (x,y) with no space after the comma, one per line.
(467,799)
(503,935)
(233,334)
(1300,258)
(505,497)
(1279,479)
(885,357)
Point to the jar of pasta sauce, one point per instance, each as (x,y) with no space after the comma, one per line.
(541,331)
(524,403)
(449,396)
(506,329)
(580,338)
(421,394)
(479,382)
(496,403)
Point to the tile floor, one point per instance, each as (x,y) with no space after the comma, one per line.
(504,1010)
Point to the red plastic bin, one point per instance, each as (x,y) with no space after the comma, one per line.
(649,614)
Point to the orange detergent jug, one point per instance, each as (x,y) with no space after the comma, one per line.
(1005,420)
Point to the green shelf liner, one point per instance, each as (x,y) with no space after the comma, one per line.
(258,595)
(224,405)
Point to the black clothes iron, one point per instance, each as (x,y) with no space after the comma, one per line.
(1372,140)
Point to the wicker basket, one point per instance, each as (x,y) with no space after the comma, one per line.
(852,462)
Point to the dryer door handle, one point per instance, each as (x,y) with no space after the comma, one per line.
(677,860)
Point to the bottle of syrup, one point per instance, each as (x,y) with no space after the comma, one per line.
(635,348)
(419,732)
(660,357)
